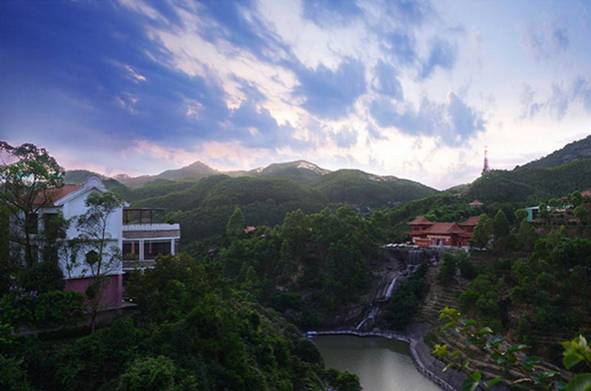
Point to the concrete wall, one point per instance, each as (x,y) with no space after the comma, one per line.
(112,292)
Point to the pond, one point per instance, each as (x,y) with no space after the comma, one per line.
(381,364)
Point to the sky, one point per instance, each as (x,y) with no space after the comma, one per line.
(412,89)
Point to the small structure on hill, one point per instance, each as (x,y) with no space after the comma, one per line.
(475,204)
(486,166)
(249,229)
(426,233)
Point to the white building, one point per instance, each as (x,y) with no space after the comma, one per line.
(145,237)
(139,240)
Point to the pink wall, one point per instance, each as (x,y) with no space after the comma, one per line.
(112,295)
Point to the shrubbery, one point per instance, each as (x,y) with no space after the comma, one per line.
(406,301)
(50,309)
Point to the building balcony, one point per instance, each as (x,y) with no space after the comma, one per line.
(148,231)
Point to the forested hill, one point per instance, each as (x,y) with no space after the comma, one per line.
(204,205)
(577,150)
(561,172)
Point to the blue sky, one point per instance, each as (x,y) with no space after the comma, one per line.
(412,89)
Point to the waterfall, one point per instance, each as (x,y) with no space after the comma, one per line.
(370,316)
(391,288)
(414,257)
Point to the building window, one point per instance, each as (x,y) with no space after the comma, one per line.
(153,248)
(131,250)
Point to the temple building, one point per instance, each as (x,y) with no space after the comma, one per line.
(426,233)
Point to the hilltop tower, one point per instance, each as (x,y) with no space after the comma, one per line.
(486,167)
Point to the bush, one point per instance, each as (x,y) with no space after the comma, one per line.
(343,381)
(148,374)
(467,269)
(407,301)
(12,375)
(448,269)
(42,277)
(481,297)
(55,308)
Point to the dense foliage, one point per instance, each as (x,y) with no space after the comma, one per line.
(191,331)
(308,267)
(405,304)
(519,370)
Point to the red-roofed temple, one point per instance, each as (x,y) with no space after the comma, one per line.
(427,233)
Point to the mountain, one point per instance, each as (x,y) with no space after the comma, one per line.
(361,189)
(561,172)
(203,199)
(576,150)
(196,170)
(266,195)
(297,170)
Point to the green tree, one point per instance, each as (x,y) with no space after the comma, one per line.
(101,253)
(482,232)
(501,226)
(520,214)
(526,235)
(448,269)
(544,212)
(235,224)
(149,374)
(575,198)
(465,265)
(7,265)
(26,178)
(582,213)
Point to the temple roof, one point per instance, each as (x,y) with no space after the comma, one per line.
(445,229)
(420,220)
(471,221)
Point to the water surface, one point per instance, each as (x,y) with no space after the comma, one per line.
(381,364)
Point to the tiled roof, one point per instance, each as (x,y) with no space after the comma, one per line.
(444,228)
(472,221)
(419,220)
(51,195)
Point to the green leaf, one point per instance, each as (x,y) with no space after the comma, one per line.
(571,358)
(476,376)
(469,385)
(494,381)
(581,382)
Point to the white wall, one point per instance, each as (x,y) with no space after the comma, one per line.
(75,207)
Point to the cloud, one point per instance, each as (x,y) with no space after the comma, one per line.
(345,137)
(442,54)
(547,42)
(386,82)
(134,75)
(331,12)
(561,99)
(238,23)
(453,122)
(328,93)
(400,46)
(413,12)
(254,126)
